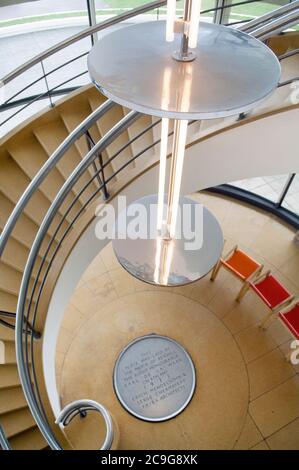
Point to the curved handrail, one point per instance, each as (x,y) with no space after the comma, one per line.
(47,167)
(251,25)
(288,54)
(81,35)
(265,31)
(72,409)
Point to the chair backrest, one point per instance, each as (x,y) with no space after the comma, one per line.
(242,264)
(271,290)
(291,319)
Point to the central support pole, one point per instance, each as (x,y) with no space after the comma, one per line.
(185,37)
(184,54)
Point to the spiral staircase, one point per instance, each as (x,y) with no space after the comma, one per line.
(55,170)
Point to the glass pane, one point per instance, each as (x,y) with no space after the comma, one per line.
(269,187)
(207,5)
(30,28)
(291,201)
(252,10)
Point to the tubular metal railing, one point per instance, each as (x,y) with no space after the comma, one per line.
(40,260)
(80,407)
(11,324)
(4,444)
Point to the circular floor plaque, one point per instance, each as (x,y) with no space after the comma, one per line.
(154,378)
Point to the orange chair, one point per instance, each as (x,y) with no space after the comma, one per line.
(240,264)
(270,291)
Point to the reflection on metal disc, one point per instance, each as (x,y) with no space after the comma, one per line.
(154,378)
(232,72)
(173,263)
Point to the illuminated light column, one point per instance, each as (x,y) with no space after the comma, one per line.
(164,254)
(162,172)
(163,150)
(194,23)
(178,153)
(177,160)
(170,20)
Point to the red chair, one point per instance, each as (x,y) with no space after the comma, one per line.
(239,264)
(271,292)
(290,318)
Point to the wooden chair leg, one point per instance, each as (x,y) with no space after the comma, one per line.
(243,291)
(265,321)
(215,271)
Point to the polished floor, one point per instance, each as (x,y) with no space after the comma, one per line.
(247,394)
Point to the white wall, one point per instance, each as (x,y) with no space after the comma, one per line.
(265,147)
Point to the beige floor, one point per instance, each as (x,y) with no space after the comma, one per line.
(247,396)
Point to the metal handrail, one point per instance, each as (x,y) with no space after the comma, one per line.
(55,92)
(12,315)
(81,35)
(251,25)
(247,27)
(265,31)
(62,194)
(288,54)
(102,187)
(4,444)
(7,315)
(35,98)
(47,167)
(45,94)
(76,407)
(47,74)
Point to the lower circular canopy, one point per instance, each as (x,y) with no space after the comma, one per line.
(184,259)
(232,71)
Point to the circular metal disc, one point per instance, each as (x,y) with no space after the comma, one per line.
(139,256)
(232,71)
(154,378)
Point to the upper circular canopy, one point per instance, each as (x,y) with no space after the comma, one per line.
(232,71)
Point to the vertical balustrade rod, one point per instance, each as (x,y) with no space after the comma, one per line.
(101,181)
(92,19)
(47,85)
